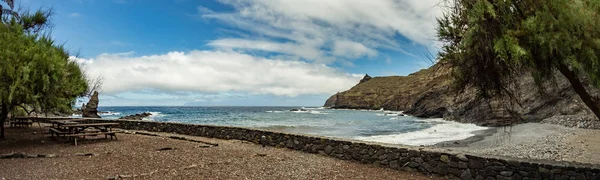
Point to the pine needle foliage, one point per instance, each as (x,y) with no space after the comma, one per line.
(35,71)
(492,42)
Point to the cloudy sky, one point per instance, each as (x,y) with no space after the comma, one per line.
(241,52)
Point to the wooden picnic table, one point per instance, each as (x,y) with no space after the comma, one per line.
(74,130)
(20,122)
(104,127)
(61,122)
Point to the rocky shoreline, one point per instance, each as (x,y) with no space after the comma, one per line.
(137,116)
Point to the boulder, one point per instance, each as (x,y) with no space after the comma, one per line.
(137,116)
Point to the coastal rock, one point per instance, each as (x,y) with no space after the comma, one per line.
(91,108)
(429,93)
(137,116)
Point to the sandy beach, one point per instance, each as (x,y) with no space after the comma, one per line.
(135,156)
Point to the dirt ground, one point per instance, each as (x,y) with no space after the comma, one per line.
(135,156)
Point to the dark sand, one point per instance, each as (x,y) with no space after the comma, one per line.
(137,157)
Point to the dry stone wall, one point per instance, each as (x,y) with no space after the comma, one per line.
(426,160)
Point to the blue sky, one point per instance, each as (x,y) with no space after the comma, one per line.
(246,52)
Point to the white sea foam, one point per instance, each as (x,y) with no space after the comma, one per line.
(313,108)
(390,113)
(153,115)
(444,131)
(317,112)
(274,111)
(109,113)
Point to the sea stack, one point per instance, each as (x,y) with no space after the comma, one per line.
(91,108)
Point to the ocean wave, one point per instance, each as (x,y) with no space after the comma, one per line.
(392,114)
(153,116)
(446,131)
(314,108)
(300,128)
(274,111)
(317,112)
(109,113)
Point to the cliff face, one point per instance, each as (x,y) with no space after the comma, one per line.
(428,93)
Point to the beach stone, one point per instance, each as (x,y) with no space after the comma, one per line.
(462,165)
(6,156)
(466,175)
(394,164)
(413,164)
(31,156)
(444,158)
(499,177)
(414,153)
(506,173)
(328,149)
(474,164)
(346,147)
(165,149)
(495,168)
(513,163)
(382,157)
(85,154)
(50,155)
(18,155)
(455,171)
(462,157)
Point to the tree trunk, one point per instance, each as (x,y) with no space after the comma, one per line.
(580,89)
(3,116)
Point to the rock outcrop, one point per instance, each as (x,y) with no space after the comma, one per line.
(91,108)
(365,79)
(429,93)
(137,116)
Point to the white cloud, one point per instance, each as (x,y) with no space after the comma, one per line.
(299,50)
(352,49)
(340,29)
(74,14)
(215,72)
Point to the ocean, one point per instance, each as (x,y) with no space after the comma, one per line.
(377,126)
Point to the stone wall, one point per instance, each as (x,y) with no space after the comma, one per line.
(407,158)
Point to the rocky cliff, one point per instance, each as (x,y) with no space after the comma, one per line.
(428,93)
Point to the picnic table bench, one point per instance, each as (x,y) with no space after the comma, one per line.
(20,122)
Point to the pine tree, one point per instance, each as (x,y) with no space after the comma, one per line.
(491,42)
(34,70)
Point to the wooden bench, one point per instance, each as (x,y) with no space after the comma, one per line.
(58,132)
(106,134)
